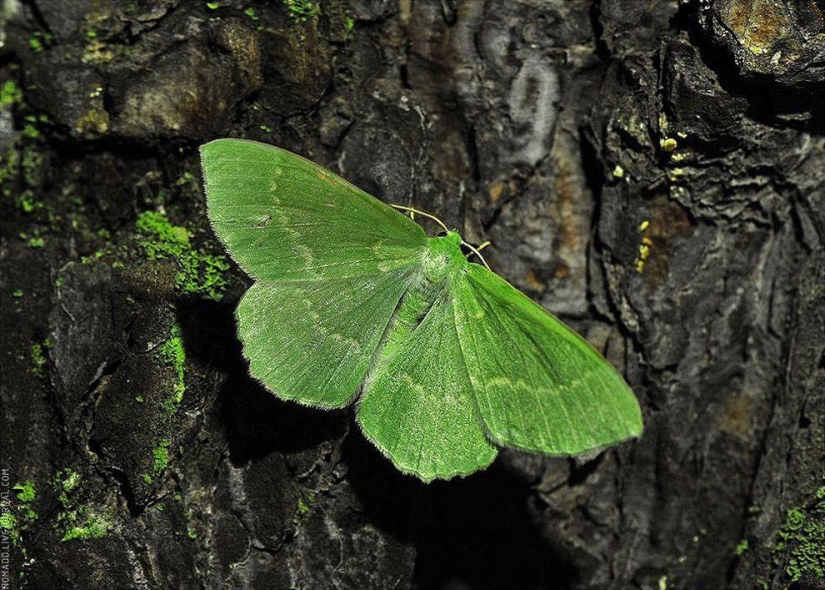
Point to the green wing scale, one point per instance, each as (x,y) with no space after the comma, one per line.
(419,408)
(281,216)
(331,264)
(312,341)
(352,302)
(556,394)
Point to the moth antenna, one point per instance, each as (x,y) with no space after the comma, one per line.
(412,211)
(483,245)
(475,251)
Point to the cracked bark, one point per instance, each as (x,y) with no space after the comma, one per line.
(651,172)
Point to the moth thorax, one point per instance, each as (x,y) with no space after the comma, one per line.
(444,257)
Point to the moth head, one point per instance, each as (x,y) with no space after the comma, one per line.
(444,256)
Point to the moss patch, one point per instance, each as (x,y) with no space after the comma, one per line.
(200,273)
(302,10)
(25,491)
(77,521)
(10,93)
(92,526)
(161,457)
(173,354)
(802,539)
(21,514)
(37,353)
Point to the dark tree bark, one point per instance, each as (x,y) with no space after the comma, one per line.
(651,172)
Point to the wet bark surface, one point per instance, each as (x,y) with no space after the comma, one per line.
(652,172)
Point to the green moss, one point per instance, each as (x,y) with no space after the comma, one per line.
(25,491)
(31,165)
(250,12)
(213,5)
(30,131)
(802,539)
(22,513)
(741,547)
(174,354)
(199,273)
(304,506)
(36,242)
(68,479)
(350,24)
(8,522)
(302,10)
(37,352)
(27,202)
(161,457)
(76,522)
(147,478)
(187,178)
(795,519)
(39,41)
(91,526)
(10,93)
(18,293)
(65,482)
(21,171)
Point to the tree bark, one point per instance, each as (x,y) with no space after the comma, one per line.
(651,172)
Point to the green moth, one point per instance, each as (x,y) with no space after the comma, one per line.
(353,303)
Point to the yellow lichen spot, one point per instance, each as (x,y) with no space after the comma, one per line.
(562,271)
(644,247)
(496,190)
(532,279)
(97,53)
(758,24)
(93,121)
(618,172)
(675,174)
(668,144)
(681,135)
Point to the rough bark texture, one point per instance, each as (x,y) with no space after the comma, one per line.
(652,172)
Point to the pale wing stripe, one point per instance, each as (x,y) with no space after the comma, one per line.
(564,393)
(506,328)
